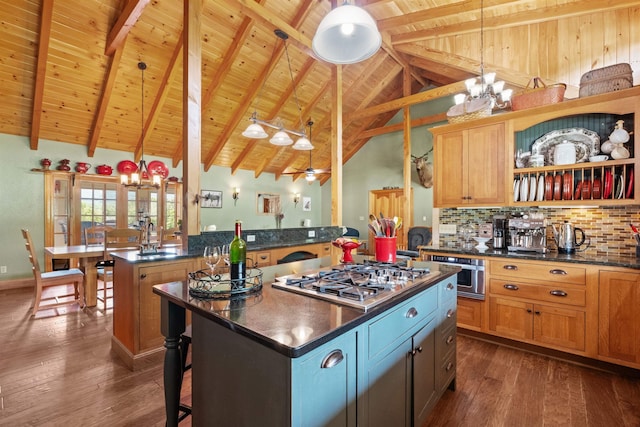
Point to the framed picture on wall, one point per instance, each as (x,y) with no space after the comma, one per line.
(306,203)
(210,199)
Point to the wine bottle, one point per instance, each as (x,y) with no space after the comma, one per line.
(238,259)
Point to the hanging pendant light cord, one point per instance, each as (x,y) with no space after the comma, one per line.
(482,45)
(142,66)
(295,92)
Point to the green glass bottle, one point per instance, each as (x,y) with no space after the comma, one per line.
(238,259)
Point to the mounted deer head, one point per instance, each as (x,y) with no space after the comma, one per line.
(424,169)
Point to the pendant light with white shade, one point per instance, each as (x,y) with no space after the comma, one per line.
(348,34)
(256,130)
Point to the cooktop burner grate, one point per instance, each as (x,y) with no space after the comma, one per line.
(359,285)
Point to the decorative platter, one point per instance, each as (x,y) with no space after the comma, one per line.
(587,144)
(158,168)
(127,166)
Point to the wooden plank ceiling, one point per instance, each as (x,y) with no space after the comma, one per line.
(68,69)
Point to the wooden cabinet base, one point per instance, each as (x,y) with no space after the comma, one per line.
(136,361)
(470,313)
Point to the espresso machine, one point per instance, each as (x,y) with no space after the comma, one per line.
(499,231)
(527,234)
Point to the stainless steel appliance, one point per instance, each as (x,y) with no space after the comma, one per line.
(361,286)
(566,238)
(527,235)
(470,279)
(499,231)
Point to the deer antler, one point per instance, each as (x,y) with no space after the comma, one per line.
(423,156)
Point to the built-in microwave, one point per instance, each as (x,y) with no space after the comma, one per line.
(470,278)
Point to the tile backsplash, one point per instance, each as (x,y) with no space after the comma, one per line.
(607,227)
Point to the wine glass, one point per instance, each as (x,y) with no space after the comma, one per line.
(212,257)
(225,254)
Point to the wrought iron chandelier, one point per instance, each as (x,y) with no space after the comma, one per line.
(142,176)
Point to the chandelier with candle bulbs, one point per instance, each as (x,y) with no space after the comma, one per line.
(485,87)
(142,176)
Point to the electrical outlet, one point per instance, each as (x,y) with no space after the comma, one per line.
(447,229)
(3,269)
(251,237)
(424,218)
(312,233)
(361,218)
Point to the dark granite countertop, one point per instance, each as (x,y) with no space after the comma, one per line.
(164,254)
(586,257)
(289,323)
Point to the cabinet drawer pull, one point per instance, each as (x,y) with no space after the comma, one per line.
(510,267)
(558,271)
(511,286)
(558,293)
(143,276)
(529,310)
(449,314)
(537,312)
(332,359)
(449,286)
(449,339)
(449,366)
(263,257)
(416,351)
(411,313)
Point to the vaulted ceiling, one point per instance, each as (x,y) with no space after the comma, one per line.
(68,69)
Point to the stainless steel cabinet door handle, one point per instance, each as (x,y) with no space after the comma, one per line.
(511,287)
(332,359)
(558,271)
(558,293)
(411,313)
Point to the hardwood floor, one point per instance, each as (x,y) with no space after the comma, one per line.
(58,370)
(502,386)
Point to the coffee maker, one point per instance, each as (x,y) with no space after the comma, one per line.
(527,234)
(499,231)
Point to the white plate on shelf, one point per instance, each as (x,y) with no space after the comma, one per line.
(524,188)
(516,189)
(540,189)
(532,188)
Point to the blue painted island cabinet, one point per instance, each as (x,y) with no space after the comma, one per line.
(384,368)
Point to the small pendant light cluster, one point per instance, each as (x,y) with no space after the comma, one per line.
(256,130)
(142,177)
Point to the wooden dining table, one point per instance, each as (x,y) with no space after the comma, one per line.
(88,255)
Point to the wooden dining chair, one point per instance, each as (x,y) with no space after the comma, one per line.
(115,240)
(169,237)
(53,278)
(95,235)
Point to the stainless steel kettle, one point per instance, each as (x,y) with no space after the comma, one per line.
(567,239)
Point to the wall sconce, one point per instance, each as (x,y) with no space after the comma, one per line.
(235,195)
(296,199)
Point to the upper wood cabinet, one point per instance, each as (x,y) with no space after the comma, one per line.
(471,156)
(470,167)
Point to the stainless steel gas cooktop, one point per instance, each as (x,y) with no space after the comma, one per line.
(361,286)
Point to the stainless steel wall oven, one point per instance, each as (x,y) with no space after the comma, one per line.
(470,279)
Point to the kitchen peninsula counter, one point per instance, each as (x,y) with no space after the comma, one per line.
(271,340)
(587,257)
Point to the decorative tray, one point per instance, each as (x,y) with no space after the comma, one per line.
(587,144)
(204,285)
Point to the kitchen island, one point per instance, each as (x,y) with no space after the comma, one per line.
(279,358)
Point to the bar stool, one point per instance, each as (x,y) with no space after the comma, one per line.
(185,341)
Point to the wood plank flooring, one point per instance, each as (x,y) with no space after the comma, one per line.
(58,370)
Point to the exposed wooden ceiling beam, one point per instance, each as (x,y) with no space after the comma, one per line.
(170,74)
(541,14)
(44,37)
(127,19)
(103,102)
